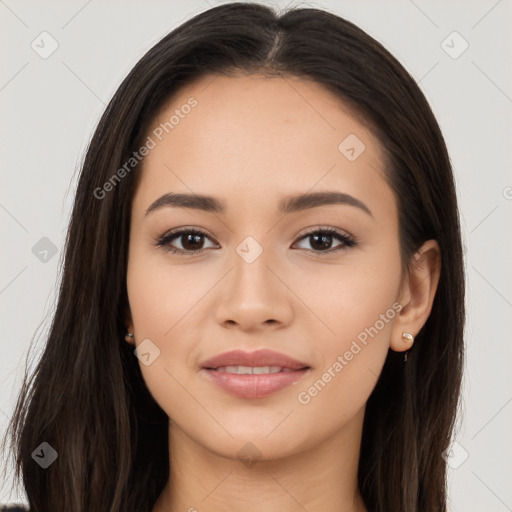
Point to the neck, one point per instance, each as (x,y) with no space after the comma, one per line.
(322,477)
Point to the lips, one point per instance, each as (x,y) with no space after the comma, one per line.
(253,374)
(258,358)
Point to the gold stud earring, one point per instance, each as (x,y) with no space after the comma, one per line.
(407,338)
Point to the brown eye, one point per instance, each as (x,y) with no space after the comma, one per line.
(321,240)
(192,241)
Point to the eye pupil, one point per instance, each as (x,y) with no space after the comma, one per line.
(194,239)
(325,241)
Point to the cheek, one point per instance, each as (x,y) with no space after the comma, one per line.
(171,305)
(160,295)
(161,300)
(357,305)
(351,297)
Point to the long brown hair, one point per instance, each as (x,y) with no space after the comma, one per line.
(87,398)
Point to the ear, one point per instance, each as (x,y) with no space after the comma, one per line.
(417,294)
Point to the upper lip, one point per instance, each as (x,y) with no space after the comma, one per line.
(263,357)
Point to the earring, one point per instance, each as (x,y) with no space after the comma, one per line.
(129,336)
(407,338)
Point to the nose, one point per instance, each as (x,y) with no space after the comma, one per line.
(255,296)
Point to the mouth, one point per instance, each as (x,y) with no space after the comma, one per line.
(255,370)
(253,375)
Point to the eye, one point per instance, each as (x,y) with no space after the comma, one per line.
(191,241)
(321,239)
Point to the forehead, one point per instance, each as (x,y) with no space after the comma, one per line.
(251,136)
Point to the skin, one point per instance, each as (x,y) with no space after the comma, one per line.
(250,141)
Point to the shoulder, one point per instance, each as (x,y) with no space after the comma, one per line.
(14,508)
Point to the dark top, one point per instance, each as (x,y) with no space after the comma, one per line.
(13,508)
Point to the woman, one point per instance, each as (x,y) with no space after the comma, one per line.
(263,284)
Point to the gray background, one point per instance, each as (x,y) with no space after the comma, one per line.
(50,106)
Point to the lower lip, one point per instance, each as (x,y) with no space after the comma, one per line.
(254,386)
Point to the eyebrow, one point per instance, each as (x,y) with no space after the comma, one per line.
(290,204)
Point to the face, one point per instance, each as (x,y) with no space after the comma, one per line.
(316,281)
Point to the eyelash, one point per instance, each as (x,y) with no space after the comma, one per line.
(164,241)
